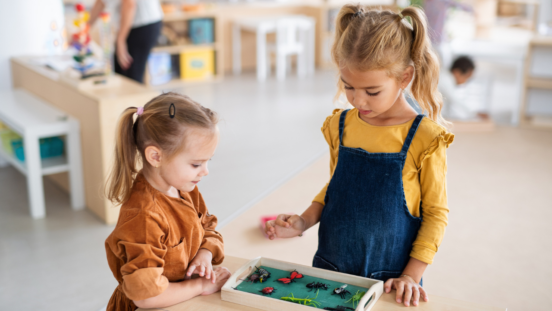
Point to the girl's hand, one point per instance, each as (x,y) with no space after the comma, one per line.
(124,59)
(407,289)
(221,274)
(201,264)
(285,226)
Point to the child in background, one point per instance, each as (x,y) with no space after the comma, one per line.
(165,232)
(457,108)
(388,163)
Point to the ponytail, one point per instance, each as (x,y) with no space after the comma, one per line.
(124,169)
(426,66)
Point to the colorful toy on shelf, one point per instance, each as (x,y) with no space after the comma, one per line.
(263,274)
(338,308)
(268,290)
(294,275)
(356,297)
(81,40)
(317,285)
(106,42)
(341,291)
(303,301)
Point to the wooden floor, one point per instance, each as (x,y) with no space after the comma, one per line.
(497,249)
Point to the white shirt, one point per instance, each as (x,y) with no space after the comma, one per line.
(147,12)
(455,98)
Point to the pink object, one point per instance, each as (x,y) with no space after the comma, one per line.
(263,220)
(140,111)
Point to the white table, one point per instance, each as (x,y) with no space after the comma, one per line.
(262,26)
(33,119)
(497,52)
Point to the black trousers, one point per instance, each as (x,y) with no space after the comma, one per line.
(140,41)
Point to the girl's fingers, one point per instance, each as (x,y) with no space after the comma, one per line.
(407,295)
(282,221)
(191,270)
(208,273)
(400,291)
(214,276)
(388,285)
(423,294)
(415,295)
(202,271)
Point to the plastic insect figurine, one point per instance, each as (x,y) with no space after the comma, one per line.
(303,301)
(356,297)
(253,278)
(317,285)
(263,274)
(294,275)
(338,308)
(341,291)
(268,290)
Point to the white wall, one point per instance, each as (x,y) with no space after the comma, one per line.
(25,29)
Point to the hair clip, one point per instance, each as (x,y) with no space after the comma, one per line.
(140,111)
(357,13)
(172,110)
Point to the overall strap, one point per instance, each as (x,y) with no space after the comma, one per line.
(342,125)
(411,133)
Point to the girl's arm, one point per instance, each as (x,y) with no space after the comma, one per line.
(182,291)
(95,12)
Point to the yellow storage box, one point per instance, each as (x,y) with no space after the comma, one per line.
(197,64)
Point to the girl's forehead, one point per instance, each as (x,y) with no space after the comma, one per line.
(352,76)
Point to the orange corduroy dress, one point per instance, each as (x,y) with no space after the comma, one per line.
(155,239)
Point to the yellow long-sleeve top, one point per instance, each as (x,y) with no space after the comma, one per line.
(424,172)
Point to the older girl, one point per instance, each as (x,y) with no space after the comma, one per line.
(388,164)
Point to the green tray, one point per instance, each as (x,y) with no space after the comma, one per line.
(238,290)
(299,289)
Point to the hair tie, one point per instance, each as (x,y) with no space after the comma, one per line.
(140,111)
(357,13)
(172,110)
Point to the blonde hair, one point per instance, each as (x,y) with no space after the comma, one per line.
(160,125)
(384,40)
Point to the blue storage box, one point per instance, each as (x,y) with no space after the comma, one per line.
(201,31)
(49,147)
(160,68)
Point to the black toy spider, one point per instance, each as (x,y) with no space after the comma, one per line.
(341,291)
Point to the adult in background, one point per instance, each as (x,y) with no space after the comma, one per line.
(139,25)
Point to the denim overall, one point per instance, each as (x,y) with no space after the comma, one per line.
(366,228)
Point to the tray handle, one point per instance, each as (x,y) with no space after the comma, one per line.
(375,291)
(241,270)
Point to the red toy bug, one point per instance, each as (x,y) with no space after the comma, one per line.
(268,290)
(294,275)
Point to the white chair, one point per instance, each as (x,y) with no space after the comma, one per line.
(291,39)
(295,35)
(32,118)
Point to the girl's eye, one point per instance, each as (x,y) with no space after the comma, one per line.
(196,165)
(372,94)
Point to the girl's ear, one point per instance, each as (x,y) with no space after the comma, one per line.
(153,156)
(407,77)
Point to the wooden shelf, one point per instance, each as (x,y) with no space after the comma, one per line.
(50,166)
(175,83)
(182,16)
(539,83)
(177,49)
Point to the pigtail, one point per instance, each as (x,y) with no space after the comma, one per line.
(426,66)
(124,169)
